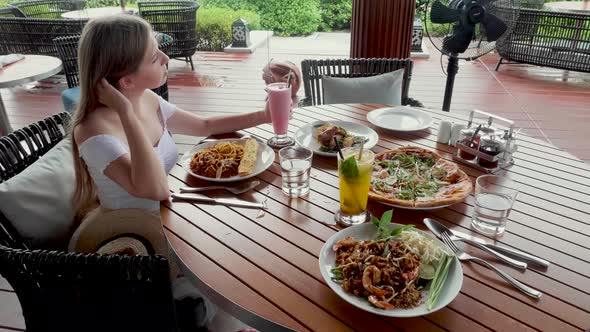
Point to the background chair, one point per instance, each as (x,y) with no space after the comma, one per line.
(61,291)
(314,70)
(177,19)
(67,50)
(19,150)
(46,8)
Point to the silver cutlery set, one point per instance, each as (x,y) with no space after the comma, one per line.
(187,194)
(513,257)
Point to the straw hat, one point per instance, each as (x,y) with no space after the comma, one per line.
(124,231)
(278,71)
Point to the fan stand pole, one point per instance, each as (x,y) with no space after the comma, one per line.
(452,69)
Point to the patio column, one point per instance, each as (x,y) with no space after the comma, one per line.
(381,28)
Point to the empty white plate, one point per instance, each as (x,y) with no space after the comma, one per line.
(400,118)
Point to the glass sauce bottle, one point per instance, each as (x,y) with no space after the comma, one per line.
(492,147)
(465,136)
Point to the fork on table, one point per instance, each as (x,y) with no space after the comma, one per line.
(463,256)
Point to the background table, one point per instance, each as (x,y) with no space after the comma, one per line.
(97,12)
(264,268)
(30,69)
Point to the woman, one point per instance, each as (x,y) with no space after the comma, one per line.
(123,150)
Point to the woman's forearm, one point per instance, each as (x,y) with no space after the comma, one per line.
(148,176)
(183,122)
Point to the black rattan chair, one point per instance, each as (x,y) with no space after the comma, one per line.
(61,291)
(34,35)
(46,8)
(177,19)
(67,50)
(20,149)
(548,38)
(7,12)
(313,70)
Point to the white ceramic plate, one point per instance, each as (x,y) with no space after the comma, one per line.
(368,231)
(304,136)
(400,118)
(264,159)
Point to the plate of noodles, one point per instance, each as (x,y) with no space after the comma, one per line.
(390,275)
(228,160)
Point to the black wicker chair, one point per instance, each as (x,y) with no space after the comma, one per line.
(20,149)
(46,8)
(35,35)
(67,50)
(548,38)
(313,70)
(7,12)
(177,19)
(61,291)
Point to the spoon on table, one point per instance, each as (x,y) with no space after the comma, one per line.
(239,189)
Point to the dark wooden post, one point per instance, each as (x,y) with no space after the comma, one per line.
(382,28)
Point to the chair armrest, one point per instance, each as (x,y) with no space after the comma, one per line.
(412,102)
(304,102)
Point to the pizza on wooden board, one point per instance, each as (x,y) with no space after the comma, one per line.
(416,177)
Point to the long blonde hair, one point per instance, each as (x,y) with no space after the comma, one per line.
(110,47)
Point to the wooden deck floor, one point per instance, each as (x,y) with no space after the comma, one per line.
(540,100)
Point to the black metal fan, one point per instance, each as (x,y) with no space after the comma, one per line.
(468,29)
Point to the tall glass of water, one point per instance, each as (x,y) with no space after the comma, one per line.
(295,168)
(494,197)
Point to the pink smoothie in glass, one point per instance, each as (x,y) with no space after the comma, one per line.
(279,103)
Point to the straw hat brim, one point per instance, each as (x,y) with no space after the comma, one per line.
(120,230)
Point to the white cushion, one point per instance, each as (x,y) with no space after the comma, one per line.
(38,200)
(381,89)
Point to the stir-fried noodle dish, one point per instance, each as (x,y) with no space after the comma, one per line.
(220,161)
(383,271)
(400,268)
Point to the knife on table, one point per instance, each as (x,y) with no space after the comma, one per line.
(520,255)
(220,201)
(439,229)
(514,253)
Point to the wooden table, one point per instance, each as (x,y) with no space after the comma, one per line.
(97,12)
(264,268)
(30,69)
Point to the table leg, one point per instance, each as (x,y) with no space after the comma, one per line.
(5,127)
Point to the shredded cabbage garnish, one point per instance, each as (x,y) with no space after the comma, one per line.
(425,248)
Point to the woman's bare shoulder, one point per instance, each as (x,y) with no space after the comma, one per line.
(98,122)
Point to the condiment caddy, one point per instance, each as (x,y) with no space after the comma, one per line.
(485,147)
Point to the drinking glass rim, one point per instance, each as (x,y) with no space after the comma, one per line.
(296,147)
(510,184)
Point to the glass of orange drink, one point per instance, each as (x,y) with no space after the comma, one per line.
(354,171)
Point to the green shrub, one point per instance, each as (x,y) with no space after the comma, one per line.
(214,26)
(300,17)
(336,14)
(289,18)
(233,4)
(109,3)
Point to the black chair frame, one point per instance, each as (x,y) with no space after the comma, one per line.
(314,70)
(177,19)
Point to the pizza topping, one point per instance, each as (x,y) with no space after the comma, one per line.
(415,175)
